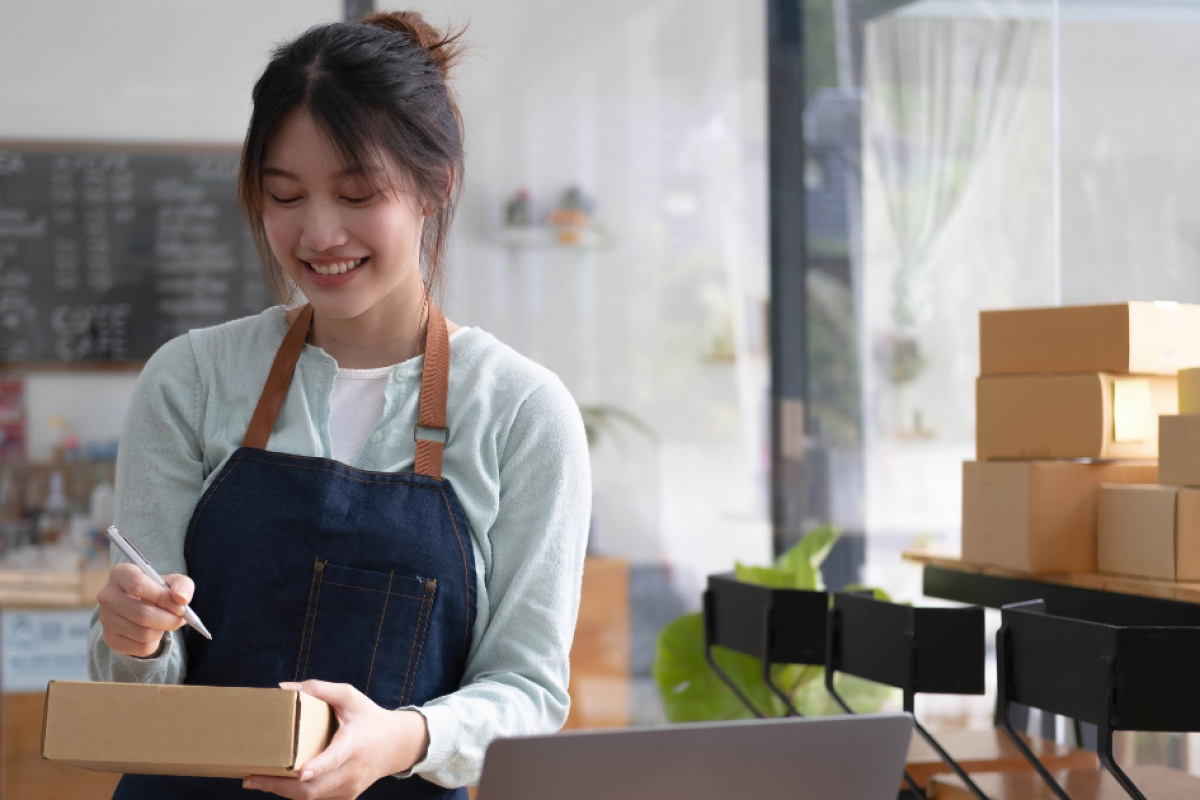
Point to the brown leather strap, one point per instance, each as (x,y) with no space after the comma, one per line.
(431,432)
(271,399)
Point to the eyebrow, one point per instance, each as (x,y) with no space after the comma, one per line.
(342,173)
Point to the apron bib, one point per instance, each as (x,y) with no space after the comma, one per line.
(308,568)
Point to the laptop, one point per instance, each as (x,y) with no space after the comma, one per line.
(816,758)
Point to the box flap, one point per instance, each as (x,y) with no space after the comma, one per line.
(1133,415)
(315,726)
(45,715)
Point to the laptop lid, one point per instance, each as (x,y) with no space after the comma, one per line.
(822,758)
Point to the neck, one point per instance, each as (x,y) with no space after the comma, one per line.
(388,333)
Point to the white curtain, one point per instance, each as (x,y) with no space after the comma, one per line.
(943,98)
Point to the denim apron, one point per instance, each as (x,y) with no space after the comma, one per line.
(308,568)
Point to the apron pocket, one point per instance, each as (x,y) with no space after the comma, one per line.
(367,629)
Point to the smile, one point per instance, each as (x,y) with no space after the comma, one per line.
(336,269)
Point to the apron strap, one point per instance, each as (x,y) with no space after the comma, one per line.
(271,399)
(431,432)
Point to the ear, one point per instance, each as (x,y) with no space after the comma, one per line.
(451,181)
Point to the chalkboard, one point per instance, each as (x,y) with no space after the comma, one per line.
(106,252)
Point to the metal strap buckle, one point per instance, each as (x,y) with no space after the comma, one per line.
(421,434)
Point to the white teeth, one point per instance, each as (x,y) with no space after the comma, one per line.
(336,269)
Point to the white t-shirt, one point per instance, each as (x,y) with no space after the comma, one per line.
(356,408)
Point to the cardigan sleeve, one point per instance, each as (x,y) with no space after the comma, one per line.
(160,477)
(516,678)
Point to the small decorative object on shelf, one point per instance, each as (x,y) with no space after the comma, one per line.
(572,217)
(518,212)
(569,225)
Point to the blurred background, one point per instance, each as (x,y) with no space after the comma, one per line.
(753,239)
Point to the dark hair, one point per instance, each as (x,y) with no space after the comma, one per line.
(374,86)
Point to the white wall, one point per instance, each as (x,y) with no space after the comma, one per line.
(131,71)
(140,70)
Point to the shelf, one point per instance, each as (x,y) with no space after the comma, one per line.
(1089,596)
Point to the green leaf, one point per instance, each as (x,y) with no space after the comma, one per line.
(769,576)
(879,594)
(691,691)
(804,558)
(811,550)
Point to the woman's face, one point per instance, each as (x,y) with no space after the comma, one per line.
(345,245)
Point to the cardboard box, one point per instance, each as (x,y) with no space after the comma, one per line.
(206,731)
(1093,415)
(1180,449)
(1149,532)
(1189,391)
(1123,338)
(1037,516)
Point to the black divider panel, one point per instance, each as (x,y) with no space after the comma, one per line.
(799,618)
(950,650)
(1156,670)
(875,639)
(1059,665)
(929,650)
(108,251)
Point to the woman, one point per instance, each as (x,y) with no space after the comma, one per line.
(359,498)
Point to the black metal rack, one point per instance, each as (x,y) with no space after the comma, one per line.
(930,650)
(1118,677)
(996,591)
(779,626)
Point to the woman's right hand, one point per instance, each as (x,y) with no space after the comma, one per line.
(135,611)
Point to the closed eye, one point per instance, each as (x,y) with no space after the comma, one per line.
(359,199)
(284,200)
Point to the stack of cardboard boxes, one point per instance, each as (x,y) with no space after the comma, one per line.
(1154,531)
(1068,400)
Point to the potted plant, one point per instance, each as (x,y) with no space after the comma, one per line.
(692,692)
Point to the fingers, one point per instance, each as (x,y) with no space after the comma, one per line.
(134,582)
(332,758)
(284,787)
(134,611)
(342,697)
(182,588)
(116,601)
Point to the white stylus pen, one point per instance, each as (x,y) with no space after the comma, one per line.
(133,554)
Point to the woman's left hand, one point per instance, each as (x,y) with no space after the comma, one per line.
(370,742)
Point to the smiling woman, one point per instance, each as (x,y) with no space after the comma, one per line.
(360,498)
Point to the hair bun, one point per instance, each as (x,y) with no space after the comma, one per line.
(444,49)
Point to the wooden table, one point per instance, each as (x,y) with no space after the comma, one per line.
(1157,782)
(990,751)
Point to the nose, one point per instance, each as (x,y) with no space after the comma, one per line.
(322,227)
